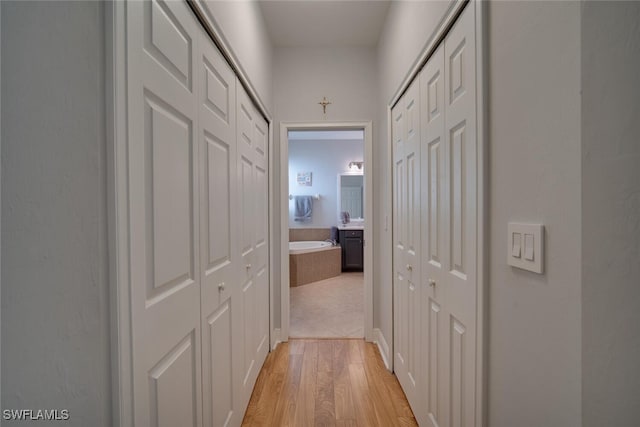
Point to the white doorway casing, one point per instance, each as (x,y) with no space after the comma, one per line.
(285,127)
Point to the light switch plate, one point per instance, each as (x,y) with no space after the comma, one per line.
(529,253)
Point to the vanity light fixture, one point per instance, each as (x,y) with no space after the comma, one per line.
(354,165)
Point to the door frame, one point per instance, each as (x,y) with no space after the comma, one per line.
(285,127)
(482,137)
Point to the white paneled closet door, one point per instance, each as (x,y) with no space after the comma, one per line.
(197,176)
(218,242)
(461,279)
(253,233)
(406,227)
(162,41)
(434,239)
(449,229)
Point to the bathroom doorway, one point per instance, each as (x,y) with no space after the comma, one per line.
(327,211)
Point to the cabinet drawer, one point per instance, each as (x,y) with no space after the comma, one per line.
(352,233)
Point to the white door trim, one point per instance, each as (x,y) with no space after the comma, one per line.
(482,138)
(285,127)
(118,214)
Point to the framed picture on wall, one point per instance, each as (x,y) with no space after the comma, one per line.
(304,178)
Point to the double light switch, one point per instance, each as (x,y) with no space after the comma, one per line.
(525,246)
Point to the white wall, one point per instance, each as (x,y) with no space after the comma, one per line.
(346,76)
(244,31)
(325,159)
(610,213)
(534,144)
(55,324)
(408,28)
(301,77)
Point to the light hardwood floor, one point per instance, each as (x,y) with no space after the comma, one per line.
(327,382)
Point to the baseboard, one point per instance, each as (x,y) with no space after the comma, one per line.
(383,347)
(276,338)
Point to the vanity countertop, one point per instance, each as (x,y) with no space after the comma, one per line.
(351,227)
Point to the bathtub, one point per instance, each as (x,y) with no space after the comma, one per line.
(307,246)
(311,261)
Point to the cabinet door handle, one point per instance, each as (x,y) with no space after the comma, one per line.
(409,267)
(432,283)
(221,287)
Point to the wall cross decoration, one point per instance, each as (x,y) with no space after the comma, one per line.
(324,104)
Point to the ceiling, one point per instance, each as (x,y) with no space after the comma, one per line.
(324,23)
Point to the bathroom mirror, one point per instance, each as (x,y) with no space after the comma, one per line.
(350,194)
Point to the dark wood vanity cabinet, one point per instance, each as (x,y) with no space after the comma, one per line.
(352,250)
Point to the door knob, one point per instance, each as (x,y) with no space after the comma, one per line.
(432,283)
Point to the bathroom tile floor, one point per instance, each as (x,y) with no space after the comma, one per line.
(330,308)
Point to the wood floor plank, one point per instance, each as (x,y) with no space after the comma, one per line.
(258,408)
(286,402)
(324,411)
(340,355)
(325,356)
(296,346)
(281,356)
(384,410)
(353,347)
(267,399)
(397,397)
(362,404)
(407,422)
(305,407)
(341,383)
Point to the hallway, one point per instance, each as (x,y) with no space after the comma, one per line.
(144,261)
(327,383)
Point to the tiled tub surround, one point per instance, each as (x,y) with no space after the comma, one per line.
(299,234)
(309,267)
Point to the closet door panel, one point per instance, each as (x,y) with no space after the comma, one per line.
(413,242)
(461,277)
(218,237)
(246,189)
(434,226)
(406,140)
(399,233)
(163,202)
(261,138)
(220,407)
(254,243)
